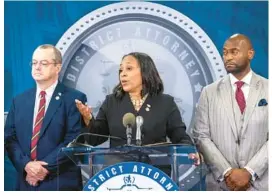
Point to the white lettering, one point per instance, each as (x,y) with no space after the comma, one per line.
(163,179)
(80,60)
(71,77)
(165,40)
(169,186)
(190,64)
(147,32)
(149,170)
(101,177)
(157,35)
(121,168)
(142,171)
(101,40)
(74,68)
(196,73)
(95,182)
(175,47)
(91,187)
(113,171)
(135,169)
(183,55)
(109,36)
(93,45)
(138,32)
(85,51)
(107,173)
(156,175)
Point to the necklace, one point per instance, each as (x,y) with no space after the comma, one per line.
(137,103)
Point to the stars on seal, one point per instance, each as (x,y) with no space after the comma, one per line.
(198,87)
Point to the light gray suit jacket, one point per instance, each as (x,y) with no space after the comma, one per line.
(226,138)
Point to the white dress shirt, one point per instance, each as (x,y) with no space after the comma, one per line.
(245,87)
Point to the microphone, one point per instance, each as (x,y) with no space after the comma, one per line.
(74,143)
(128,122)
(139,123)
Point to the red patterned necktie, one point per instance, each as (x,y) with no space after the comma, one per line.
(239,95)
(37,126)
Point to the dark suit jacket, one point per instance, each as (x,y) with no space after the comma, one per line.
(163,119)
(61,124)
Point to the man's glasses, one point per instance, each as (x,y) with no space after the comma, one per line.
(42,63)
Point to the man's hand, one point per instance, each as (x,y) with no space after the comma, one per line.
(238,179)
(32,180)
(35,169)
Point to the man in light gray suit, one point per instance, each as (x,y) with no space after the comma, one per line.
(231,123)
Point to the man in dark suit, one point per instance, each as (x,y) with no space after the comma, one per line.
(40,122)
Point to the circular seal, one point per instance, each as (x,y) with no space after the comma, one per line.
(184,55)
(131,176)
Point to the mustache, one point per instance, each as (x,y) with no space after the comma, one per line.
(230,63)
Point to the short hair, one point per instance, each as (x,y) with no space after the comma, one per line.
(57,53)
(151,80)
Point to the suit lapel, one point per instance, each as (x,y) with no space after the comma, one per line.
(29,106)
(226,97)
(254,92)
(53,106)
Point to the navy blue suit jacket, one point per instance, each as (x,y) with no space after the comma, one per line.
(61,124)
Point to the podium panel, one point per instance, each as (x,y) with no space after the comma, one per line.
(162,167)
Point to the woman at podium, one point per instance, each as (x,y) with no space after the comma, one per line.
(139,92)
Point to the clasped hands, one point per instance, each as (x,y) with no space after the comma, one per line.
(238,179)
(35,172)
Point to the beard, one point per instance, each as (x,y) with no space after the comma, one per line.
(236,68)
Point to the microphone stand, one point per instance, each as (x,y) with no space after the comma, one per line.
(129,134)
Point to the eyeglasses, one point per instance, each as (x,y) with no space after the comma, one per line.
(43,63)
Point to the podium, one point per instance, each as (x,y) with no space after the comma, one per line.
(163,164)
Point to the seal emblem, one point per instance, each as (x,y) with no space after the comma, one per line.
(131,176)
(185,57)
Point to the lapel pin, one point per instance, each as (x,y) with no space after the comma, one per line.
(148,105)
(57,97)
(147,109)
(59,94)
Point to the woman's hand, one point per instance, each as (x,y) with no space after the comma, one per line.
(196,158)
(85,111)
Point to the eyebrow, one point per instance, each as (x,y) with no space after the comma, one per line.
(231,48)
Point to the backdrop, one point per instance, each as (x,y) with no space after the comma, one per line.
(29,24)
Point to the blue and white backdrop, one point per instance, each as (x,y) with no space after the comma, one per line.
(184,38)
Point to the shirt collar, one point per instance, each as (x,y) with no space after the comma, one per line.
(246,79)
(49,91)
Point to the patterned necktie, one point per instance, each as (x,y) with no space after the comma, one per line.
(37,126)
(239,95)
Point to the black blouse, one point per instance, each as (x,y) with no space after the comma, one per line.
(161,119)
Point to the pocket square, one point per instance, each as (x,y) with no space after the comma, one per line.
(262,102)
